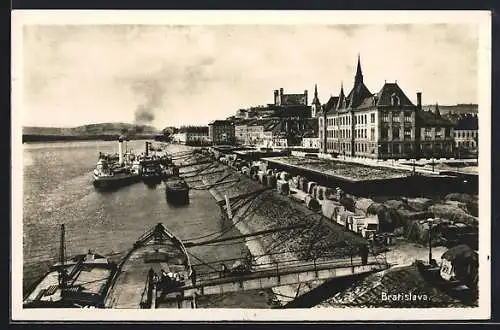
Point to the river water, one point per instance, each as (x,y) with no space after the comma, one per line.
(57,183)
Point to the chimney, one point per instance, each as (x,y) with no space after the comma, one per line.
(120,150)
(147,148)
(305,94)
(419,100)
(281,91)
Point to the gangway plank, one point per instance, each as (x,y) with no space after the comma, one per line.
(270,277)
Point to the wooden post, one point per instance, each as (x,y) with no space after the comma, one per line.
(277,273)
(228,206)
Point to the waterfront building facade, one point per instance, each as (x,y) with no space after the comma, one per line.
(221,132)
(435,135)
(384,125)
(466,133)
(311,141)
(192,135)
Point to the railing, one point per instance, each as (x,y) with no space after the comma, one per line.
(295,265)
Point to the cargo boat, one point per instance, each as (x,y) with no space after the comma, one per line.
(112,174)
(151,171)
(177,191)
(154,168)
(149,274)
(78,282)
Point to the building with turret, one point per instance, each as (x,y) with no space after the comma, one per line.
(382,125)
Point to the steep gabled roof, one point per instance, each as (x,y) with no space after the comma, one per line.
(368,102)
(384,97)
(357,95)
(341,98)
(331,105)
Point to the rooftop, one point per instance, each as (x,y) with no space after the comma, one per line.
(429,118)
(348,171)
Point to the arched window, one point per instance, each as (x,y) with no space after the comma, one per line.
(394,100)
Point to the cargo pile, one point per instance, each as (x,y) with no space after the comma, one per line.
(269,209)
(453,221)
(341,169)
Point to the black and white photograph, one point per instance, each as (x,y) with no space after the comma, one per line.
(245,165)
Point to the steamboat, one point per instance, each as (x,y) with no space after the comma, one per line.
(112,173)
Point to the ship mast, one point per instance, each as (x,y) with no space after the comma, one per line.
(62,257)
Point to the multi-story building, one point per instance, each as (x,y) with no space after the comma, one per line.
(221,132)
(311,141)
(192,135)
(241,132)
(435,135)
(383,125)
(255,131)
(466,133)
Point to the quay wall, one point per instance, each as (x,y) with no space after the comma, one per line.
(270,210)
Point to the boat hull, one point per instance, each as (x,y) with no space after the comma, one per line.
(134,287)
(177,196)
(152,179)
(87,285)
(114,182)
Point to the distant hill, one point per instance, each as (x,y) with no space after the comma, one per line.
(459,108)
(91,129)
(88,132)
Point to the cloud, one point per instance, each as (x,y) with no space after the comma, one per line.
(173,75)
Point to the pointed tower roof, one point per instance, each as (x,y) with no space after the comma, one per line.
(316,99)
(359,72)
(436,110)
(359,92)
(340,102)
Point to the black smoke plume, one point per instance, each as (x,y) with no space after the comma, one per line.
(153,93)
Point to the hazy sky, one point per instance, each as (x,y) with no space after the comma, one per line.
(174,75)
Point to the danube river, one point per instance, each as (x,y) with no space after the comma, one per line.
(58,190)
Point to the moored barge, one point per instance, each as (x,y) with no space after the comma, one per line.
(149,274)
(78,282)
(177,191)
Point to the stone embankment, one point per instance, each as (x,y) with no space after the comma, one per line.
(262,209)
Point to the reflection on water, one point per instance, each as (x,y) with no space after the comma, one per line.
(57,181)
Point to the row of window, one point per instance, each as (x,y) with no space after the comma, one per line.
(384,133)
(438,132)
(338,146)
(363,118)
(466,134)
(396,116)
(343,120)
(389,148)
(467,144)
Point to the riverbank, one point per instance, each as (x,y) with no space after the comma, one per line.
(263,209)
(27,138)
(249,299)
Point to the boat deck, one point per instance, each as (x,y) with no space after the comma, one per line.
(129,288)
(90,278)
